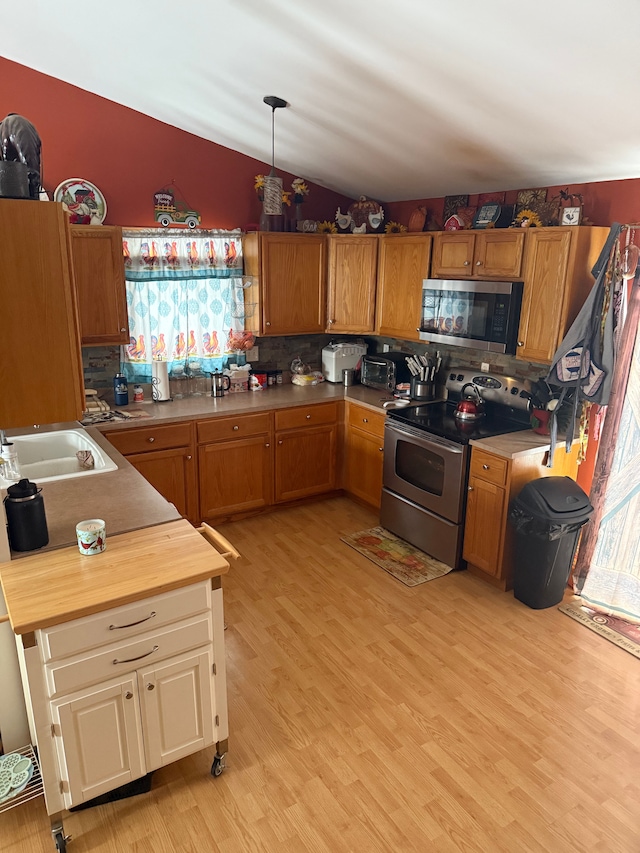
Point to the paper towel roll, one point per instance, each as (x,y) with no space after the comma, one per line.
(160,390)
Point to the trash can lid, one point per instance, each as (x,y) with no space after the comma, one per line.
(556,499)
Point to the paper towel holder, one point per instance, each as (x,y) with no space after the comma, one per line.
(160,389)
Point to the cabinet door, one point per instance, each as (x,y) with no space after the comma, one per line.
(543,299)
(499,253)
(176,699)
(365,457)
(173,474)
(305,462)
(98,739)
(98,267)
(40,344)
(484,525)
(403,264)
(453,254)
(293,273)
(235,476)
(352,283)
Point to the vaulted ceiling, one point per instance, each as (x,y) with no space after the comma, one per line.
(400,99)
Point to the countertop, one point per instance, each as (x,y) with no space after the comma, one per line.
(516,444)
(46,589)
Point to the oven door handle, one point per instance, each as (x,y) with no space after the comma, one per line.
(425,437)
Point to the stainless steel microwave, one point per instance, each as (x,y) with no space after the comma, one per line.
(480,314)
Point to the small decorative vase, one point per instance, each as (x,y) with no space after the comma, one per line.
(297,217)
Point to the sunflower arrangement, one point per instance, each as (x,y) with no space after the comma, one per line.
(326,227)
(527,218)
(300,190)
(394,228)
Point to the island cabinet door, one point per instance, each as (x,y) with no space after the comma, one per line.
(98,739)
(176,699)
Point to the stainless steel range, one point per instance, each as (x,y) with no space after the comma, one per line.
(426,459)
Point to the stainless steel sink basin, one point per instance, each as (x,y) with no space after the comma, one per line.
(47,456)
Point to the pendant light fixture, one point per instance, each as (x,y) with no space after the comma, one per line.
(272,204)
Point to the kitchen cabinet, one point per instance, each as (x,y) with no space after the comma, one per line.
(40,342)
(98,266)
(116,690)
(491,254)
(306,445)
(353,261)
(364,453)
(286,283)
(494,481)
(165,456)
(235,464)
(403,264)
(557,280)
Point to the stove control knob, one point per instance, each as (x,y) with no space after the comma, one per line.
(460,377)
(514,391)
(452,376)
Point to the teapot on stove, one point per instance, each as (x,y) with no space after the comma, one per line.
(471,405)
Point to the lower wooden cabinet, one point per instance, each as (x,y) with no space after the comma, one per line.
(235,464)
(364,453)
(165,456)
(306,445)
(494,481)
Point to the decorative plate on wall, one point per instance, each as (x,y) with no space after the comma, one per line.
(84,201)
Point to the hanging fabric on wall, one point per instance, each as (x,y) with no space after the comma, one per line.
(185,298)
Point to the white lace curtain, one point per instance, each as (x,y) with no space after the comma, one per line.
(185,299)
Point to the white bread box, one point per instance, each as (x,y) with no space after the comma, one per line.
(337,357)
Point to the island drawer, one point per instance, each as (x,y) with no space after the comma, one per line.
(107,662)
(109,626)
(142,439)
(301,416)
(488,467)
(241,426)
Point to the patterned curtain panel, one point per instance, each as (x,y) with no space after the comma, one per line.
(185,299)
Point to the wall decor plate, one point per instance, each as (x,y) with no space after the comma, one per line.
(84,200)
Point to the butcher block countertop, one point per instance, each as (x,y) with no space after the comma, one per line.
(516,444)
(46,589)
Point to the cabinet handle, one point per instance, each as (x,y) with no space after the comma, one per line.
(188,458)
(478,263)
(520,343)
(466,263)
(331,322)
(236,427)
(365,420)
(128,695)
(469,488)
(150,686)
(267,444)
(381,449)
(280,441)
(151,438)
(267,323)
(131,624)
(123,330)
(485,467)
(130,660)
(308,417)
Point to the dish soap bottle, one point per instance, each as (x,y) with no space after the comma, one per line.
(120,390)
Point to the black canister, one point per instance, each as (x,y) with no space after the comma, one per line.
(26,519)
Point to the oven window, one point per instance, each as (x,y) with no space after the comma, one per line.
(420,467)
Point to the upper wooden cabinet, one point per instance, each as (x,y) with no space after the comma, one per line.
(98,267)
(495,253)
(557,280)
(40,359)
(287,287)
(353,262)
(403,264)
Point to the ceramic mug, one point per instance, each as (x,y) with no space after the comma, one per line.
(92,536)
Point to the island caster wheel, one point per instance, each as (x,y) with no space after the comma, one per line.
(61,841)
(218,765)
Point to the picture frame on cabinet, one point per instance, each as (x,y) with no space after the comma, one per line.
(571,215)
(452,203)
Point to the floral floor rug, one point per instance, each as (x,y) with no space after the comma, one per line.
(396,556)
(619,631)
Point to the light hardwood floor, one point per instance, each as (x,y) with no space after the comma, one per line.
(368,716)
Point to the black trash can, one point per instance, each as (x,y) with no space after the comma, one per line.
(547,515)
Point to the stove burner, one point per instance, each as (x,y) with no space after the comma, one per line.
(439,419)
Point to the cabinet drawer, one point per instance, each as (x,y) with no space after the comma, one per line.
(150,438)
(325,413)
(120,658)
(222,429)
(488,467)
(118,623)
(366,420)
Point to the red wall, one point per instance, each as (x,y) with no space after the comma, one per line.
(130,156)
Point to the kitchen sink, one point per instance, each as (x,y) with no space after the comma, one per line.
(48,456)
